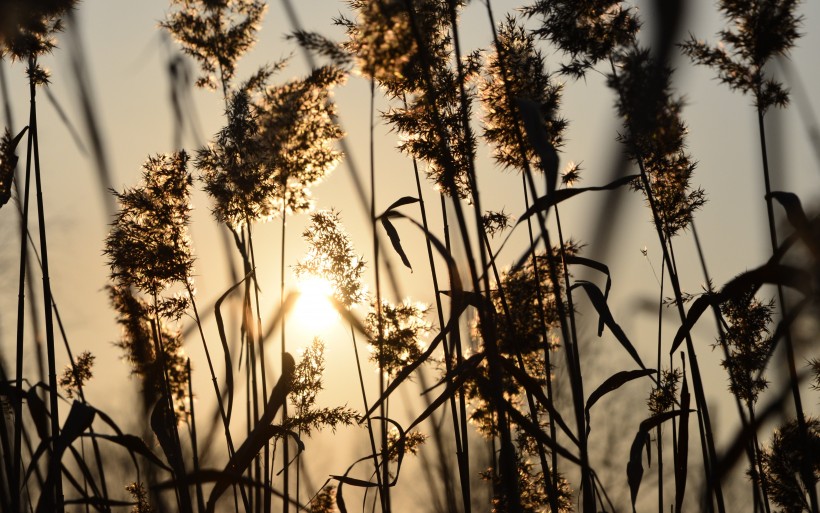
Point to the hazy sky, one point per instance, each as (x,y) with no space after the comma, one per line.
(127,57)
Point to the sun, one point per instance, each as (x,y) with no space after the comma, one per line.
(313,310)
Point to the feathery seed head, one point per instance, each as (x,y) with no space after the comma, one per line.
(75,376)
(516,70)
(655,133)
(587,30)
(749,343)
(149,246)
(758,31)
(138,321)
(27,27)
(331,257)
(403,326)
(791,465)
(216,33)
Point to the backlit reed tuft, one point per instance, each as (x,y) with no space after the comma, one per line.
(76,375)
(410,444)
(381,40)
(274,148)
(589,31)
(496,222)
(516,70)
(759,32)
(662,397)
(307,383)
(138,325)
(403,328)
(242,188)
(430,120)
(216,33)
(27,28)
(534,496)
(749,344)
(140,497)
(148,246)
(654,135)
(324,501)
(791,465)
(517,299)
(331,257)
(298,131)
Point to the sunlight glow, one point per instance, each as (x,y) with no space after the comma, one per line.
(313,310)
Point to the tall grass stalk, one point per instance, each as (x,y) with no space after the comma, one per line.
(54,469)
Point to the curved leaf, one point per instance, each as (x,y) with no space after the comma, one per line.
(599,302)
(598,266)
(260,435)
(395,240)
(695,311)
(226,352)
(134,445)
(634,468)
(682,459)
(405,200)
(546,202)
(613,383)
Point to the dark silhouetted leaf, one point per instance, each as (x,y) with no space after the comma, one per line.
(598,266)
(261,434)
(405,372)
(535,388)
(682,460)
(750,281)
(405,200)
(695,311)
(134,445)
(634,468)
(220,324)
(599,302)
(613,383)
(395,241)
(546,202)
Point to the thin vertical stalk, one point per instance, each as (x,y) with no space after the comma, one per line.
(461,452)
(384,491)
(366,408)
(658,431)
(55,468)
(183,497)
(569,336)
(286,440)
(704,422)
(455,347)
(793,380)
(551,474)
(719,321)
(262,359)
(200,500)
(18,405)
(220,405)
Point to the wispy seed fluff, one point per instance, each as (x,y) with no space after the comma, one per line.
(654,135)
(273,149)
(516,71)
(148,246)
